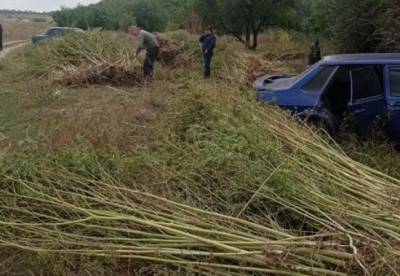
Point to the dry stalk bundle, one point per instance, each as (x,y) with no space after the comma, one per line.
(169,50)
(309,184)
(350,222)
(95,57)
(67,214)
(178,49)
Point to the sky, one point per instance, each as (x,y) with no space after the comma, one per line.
(42,5)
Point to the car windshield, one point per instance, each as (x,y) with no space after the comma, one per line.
(299,77)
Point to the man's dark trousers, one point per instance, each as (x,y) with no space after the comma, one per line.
(1,37)
(207,63)
(151,57)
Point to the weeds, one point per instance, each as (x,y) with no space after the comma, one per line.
(227,185)
(221,185)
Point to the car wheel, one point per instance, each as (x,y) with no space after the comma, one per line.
(318,123)
(327,121)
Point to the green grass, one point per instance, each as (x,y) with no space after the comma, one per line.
(17,118)
(213,151)
(204,144)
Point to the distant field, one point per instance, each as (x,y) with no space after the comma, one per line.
(15,29)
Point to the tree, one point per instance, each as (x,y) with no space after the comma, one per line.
(150,15)
(61,17)
(389,27)
(245,19)
(119,14)
(351,25)
(314,13)
(99,18)
(179,13)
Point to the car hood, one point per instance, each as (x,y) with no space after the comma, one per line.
(283,83)
(274,82)
(39,36)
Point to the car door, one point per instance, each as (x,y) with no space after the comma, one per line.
(69,31)
(367,97)
(393,100)
(55,33)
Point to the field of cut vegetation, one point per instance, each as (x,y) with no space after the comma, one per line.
(104,173)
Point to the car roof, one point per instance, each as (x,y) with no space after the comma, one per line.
(384,58)
(63,28)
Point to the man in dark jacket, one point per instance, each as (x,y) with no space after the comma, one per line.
(1,37)
(315,53)
(208,42)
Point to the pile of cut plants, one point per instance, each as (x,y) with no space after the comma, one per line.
(217,185)
(226,186)
(93,57)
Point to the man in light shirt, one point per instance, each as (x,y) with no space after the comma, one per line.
(146,41)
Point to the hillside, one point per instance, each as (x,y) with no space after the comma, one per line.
(103,173)
(16,14)
(106,172)
(22,25)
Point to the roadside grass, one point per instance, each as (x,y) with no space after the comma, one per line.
(84,129)
(18,116)
(203,144)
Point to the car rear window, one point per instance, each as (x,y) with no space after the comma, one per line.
(395,82)
(316,85)
(366,83)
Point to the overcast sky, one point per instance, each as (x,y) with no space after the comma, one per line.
(42,5)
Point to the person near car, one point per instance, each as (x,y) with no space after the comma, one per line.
(146,41)
(208,41)
(1,37)
(315,53)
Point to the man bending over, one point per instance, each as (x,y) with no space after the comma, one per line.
(146,41)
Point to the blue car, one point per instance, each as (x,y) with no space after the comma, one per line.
(363,87)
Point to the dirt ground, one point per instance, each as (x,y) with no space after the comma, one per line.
(9,49)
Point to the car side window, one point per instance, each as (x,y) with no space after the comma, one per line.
(316,85)
(394,82)
(55,33)
(365,83)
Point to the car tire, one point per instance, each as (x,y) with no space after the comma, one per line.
(327,121)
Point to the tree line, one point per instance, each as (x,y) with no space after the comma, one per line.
(351,25)
(154,15)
